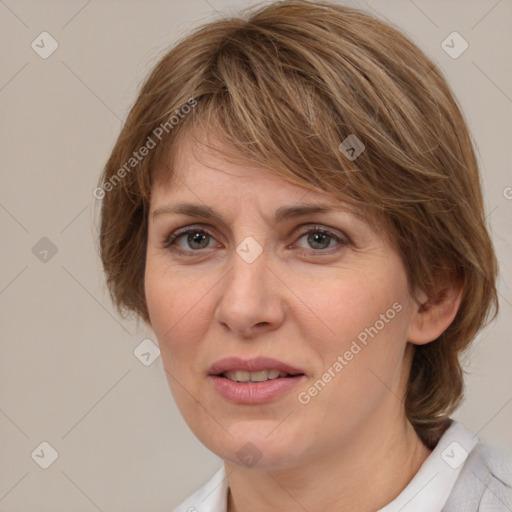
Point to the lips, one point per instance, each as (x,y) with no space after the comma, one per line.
(258,364)
(254,381)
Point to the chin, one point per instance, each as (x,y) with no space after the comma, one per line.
(252,447)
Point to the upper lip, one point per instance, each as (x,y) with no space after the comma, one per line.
(251,365)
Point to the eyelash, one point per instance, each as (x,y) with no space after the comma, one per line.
(169,240)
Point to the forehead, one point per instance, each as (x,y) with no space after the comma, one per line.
(206,177)
(207,164)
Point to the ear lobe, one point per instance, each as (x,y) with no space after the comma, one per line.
(434,315)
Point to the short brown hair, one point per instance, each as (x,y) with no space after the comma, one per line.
(286,84)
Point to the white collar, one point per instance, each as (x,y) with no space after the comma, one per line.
(431,486)
(428,491)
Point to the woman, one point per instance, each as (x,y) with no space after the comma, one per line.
(294,207)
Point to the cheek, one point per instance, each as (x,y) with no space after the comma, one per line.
(364,319)
(347,305)
(177,308)
(173,311)
(358,335)
(169,296)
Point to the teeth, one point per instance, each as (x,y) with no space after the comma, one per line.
(261,376)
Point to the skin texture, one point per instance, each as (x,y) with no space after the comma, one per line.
(350,447)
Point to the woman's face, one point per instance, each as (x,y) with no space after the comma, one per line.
(321,294)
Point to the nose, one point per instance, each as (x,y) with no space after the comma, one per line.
(252,302)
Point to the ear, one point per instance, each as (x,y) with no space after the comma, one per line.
(434,314)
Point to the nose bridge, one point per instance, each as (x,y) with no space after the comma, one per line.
(247,299)
(246,281)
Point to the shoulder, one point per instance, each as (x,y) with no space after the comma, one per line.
(493,469)
(496,460)
(485,481)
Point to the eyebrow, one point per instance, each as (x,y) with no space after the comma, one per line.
(281,214)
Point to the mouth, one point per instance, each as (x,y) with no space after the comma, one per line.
(253,381)
(258,369)
(259,376)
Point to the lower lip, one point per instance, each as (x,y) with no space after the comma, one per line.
(254,392)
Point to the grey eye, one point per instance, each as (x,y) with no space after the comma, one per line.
(319,239)
(196,239)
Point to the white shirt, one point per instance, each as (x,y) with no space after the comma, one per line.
(462,474)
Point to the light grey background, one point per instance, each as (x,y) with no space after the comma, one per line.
(68,373)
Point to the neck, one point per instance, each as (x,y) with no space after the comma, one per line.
(365,474)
